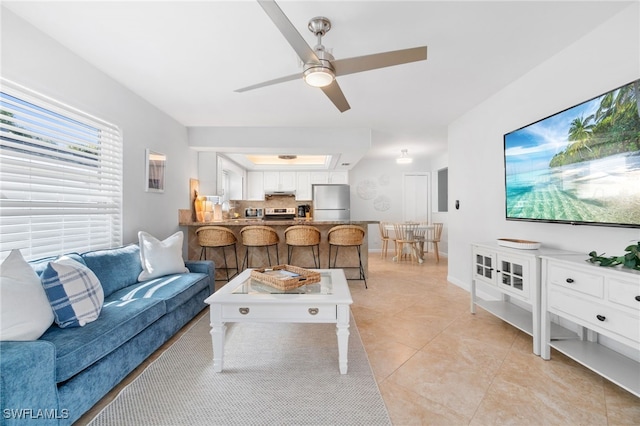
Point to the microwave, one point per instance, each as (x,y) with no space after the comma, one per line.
(254,213)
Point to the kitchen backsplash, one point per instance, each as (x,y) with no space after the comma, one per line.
(275,202)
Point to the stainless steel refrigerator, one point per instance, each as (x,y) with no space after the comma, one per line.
(331,202)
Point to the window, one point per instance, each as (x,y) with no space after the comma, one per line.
(60,177)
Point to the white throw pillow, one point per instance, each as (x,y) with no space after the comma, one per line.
(74,292)
(25,313)
(160,258)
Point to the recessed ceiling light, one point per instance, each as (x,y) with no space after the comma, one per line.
(288,159)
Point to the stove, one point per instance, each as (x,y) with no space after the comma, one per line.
(271,213)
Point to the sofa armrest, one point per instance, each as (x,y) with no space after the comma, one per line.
(28,383)
(204,267)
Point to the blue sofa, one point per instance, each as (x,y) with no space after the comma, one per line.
(59,377)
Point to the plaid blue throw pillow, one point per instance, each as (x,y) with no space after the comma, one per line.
(74,292)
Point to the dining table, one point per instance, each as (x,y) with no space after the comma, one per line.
(419,229)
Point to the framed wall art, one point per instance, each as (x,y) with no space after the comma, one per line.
(155,169)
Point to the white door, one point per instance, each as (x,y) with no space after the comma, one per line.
(416,195)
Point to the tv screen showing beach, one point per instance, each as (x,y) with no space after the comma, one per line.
(580,166)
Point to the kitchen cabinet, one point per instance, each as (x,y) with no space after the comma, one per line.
(279,181)
(301,182)
(329,177)
(255,186)
(601,302)
(303,186)
(319,177)
(338,177)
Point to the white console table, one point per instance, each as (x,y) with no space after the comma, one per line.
(601,301)
(515,273)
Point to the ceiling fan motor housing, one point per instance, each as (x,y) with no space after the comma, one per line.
(319,25)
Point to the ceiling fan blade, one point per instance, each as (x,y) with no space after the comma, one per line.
(379,60)
(270,82)
(304,51)
(334,93)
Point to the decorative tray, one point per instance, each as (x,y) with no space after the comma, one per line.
(285,277)
(519,244)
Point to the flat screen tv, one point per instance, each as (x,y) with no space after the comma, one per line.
(579,166)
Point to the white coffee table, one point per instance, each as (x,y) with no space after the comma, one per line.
(246,300)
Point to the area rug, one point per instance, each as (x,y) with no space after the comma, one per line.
(274,373)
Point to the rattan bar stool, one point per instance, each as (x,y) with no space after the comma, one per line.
(218,237)
(259,236)
(347,236)
(303,236)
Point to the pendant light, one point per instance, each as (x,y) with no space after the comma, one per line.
(404,157)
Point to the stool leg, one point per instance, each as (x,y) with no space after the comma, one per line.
(362,277)
(268,256)
(245,261)
(313,252)
(203,253)
(335,259)
(226,267)
(289,252)
(235,252)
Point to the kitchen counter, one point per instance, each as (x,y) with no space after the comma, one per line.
(301,255)
(295,221)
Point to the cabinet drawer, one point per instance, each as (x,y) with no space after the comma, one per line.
(625,293)
(276,312)
(577,280)
(593,314)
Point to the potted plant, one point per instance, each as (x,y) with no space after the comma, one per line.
(631,259)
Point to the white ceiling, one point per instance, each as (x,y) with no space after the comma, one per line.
(187,58)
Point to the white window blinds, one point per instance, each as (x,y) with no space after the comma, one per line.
(60,177)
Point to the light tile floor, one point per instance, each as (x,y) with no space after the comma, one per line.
(437,364)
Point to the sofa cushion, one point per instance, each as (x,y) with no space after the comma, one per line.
(74,292)
(173,289)
(160,258)
(39,265)
(115,268)
(25,312)
(78,348)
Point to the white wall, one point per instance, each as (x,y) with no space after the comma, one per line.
(384,179)
(606,58)
(38,62)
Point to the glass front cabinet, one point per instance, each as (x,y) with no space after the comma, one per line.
(502,276)
(508,272)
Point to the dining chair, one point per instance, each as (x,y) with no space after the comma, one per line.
(384,237)
(405,237)
(420,237)
(434,238)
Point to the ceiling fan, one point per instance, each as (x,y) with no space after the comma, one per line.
(320,67)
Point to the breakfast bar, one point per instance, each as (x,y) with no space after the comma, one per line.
(302,256)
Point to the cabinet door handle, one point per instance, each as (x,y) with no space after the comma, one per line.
(601,317)
(638,298)
(243,311)
(570,280)
(314,311)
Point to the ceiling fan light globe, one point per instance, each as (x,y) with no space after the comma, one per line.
(319,77)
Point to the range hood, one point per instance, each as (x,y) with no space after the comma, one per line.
(269,194)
